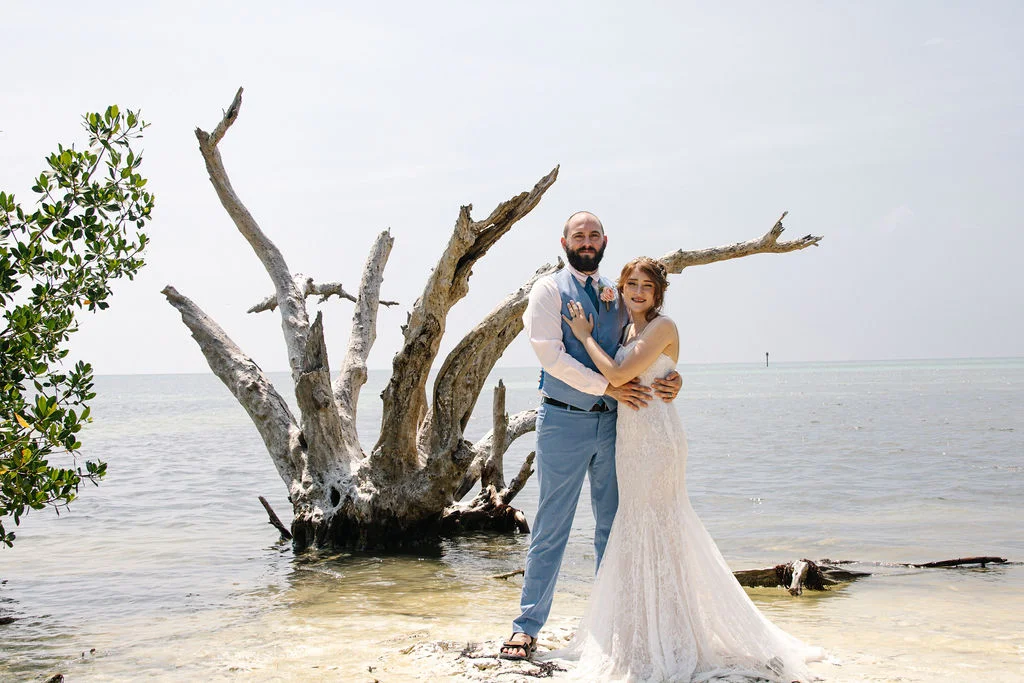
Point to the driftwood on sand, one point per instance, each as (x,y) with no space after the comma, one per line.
(407,489)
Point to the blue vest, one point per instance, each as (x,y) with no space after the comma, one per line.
(609,321)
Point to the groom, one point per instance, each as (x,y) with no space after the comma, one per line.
(576,419)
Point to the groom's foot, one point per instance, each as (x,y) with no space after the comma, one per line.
(519,646)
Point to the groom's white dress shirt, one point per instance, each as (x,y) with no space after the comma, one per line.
(543,322)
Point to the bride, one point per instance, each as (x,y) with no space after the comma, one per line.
(665,605)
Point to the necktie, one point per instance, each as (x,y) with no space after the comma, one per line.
(588,287)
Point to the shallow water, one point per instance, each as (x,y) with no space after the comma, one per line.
(168,570)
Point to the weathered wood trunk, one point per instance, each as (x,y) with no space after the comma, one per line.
(405,491)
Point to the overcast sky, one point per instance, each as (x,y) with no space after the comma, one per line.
(893,129)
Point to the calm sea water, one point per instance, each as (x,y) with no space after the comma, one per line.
(169,570)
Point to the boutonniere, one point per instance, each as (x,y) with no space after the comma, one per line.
(607,295)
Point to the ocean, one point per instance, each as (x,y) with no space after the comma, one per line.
(169,571)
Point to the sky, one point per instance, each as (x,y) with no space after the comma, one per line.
(892,129)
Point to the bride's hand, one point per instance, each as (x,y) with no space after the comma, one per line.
(579,322)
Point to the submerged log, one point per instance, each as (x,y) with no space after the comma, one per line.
(963,562)
(820,575)
(823,574)
(405,491)
(794,576)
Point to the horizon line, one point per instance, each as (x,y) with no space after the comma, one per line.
(679,364)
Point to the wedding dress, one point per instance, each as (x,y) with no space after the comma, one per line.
(665,605)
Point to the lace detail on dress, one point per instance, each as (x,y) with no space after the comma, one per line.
(665,605)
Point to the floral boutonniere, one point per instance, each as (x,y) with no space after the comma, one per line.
(607,295)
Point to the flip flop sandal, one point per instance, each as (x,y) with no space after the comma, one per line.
(529,648)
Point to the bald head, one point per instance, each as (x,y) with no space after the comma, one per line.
(583,240)
(584,220)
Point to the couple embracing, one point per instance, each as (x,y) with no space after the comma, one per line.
(665,605)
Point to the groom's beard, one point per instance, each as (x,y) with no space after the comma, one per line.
(585,263)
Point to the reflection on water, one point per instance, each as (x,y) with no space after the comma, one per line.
(169,570)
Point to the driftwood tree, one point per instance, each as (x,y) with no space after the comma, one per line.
(407,488)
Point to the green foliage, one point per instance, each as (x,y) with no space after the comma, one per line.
(84,233)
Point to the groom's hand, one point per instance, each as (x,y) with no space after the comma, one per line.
(632,393)
(668,388)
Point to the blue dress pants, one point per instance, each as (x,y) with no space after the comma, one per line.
(570,445)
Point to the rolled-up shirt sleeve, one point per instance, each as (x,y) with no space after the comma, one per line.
(543,322)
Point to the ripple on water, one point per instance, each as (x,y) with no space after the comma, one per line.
(170,571)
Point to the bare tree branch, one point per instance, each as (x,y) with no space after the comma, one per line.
(364,332)
(768,244)
(321,421)
(405,395)
(461,378)
(518,425)
(246,381)
(294,321)
(275,521)
(309,288)
(507,494)
(225,122)
(492,474)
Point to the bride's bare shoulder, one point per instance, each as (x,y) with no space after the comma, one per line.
(667,335)
(665,325)
(663,319)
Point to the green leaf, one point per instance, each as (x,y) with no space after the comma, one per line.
(64,254)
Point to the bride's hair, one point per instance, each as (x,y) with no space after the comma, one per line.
(655,270)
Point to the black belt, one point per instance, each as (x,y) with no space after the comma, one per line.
(600,407)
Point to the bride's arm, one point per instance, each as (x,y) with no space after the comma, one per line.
(656,339)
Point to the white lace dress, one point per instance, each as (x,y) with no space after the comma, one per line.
(665,605)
